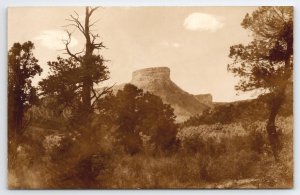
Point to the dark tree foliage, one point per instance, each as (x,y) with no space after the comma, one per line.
(136,113)
(157,120)
(22,67)
(266,63)
(72,80)
(65,82)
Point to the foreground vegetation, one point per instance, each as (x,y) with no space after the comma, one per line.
(209,156)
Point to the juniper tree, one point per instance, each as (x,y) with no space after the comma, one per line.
(22,67)
(266,63)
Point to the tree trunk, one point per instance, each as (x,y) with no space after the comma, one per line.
(87,81)
(275,104)
(17,103)
(86,96)
(278,97)
(87,61)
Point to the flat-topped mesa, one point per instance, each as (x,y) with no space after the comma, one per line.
(205,99)
(151,74)
(157,81)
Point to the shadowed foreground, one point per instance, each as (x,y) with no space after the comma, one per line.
(210,156)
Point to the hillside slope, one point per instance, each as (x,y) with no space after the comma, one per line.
(157,81)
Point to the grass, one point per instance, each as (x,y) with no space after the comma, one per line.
(210,156)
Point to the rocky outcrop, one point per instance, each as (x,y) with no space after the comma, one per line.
(144,77)
(157,81)
(205,99)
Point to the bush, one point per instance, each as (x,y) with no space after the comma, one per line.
(240,151)
(136,112)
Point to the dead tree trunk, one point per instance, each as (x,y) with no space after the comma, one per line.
(87,62)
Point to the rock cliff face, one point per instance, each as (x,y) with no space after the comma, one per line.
(151,76)
(205,99)
(157,81)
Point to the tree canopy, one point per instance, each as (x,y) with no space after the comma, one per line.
(22,67)
(139,114)
(266,63)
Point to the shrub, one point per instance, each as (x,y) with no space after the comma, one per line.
(136,112)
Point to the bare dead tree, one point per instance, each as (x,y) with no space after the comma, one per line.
(86,57)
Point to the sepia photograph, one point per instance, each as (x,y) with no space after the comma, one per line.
(150,97)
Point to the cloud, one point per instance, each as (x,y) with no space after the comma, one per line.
(203,22)
(176,45)
(52,39)
(170,44)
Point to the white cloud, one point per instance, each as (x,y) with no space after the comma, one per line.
(53,39)
(176,45)
(203,22)
(170,44)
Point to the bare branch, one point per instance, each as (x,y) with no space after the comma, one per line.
(80,52)
(76,13)
(94,37)
(104,91)
(99,45)
(67,42)
(75,22)
(92,10)
(96,45)
(94,23)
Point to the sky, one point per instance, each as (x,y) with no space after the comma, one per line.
(193,42)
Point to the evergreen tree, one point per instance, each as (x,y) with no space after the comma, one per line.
(266,63)
(22,67)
